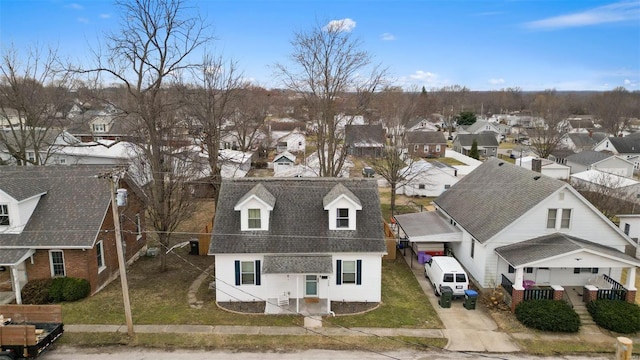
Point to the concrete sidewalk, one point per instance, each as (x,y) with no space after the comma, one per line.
(255,330)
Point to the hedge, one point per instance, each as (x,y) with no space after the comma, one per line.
(548,315)
(615,315)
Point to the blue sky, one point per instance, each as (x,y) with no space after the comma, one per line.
(480,44)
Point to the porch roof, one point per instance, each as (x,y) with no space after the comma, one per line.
(554,245)
(297,264)
(13,257)
(428,226)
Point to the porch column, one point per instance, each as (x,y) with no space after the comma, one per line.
(297,294)
(517,293)
(16,284)
(631,285)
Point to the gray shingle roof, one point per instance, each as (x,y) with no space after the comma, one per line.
(626,145)
(543,247)
(363,134)
(338,190)
(582,140)
(298,223)
(425,137)
(71,212)
(12,256)
(484,139)
(494,195)
(261,193)
(588,157)
(297,264)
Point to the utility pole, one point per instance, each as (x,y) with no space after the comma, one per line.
(114,176)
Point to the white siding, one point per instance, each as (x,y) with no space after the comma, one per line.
(274,284)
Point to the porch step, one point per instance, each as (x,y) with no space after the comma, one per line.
(583,313)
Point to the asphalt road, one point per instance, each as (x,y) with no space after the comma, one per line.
(131,353)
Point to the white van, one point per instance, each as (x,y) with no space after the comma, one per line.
(446,271)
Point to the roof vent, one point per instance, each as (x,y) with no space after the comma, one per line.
(536,177)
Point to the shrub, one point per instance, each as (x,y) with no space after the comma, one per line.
(615,315)
(36,292)
(55,290)
(548,315)
(75,289)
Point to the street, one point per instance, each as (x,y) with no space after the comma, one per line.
(134,353)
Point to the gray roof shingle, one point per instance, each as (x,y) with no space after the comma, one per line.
(555,244)
(71,212)
(261,193)
(494,195)
(425,137)
(298,223)
(588,157)
(626,145)
(483,139)
(297,264)
(358,135)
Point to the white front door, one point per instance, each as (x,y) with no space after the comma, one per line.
(311,286)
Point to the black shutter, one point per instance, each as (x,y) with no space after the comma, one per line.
(257,272)
(338,272)
(359,272)
(237,272)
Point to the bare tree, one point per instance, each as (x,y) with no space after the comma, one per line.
(453,100)
(608,193)
(209,104)
(33,95)
(328,64)
(614,109)
(396,168)
(545,136)
(149,52)
(249,117)
(396,108)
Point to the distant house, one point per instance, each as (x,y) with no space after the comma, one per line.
(429,179)
(545,167)
(613,185)
(625,147)
(579,124)
(57,221)
(421,124)
(581,141)
(602,161)
(283,162)
(294,141)
(426,143)
(270,246)
(487,144)
(482,127)
(364,140)
(560,155)
(107,124)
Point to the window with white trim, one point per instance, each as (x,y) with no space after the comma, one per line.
(437,147)
(254,219)
(426,148)
(100,256)
(551,218)
(56,259)
(98,128)
(247,272)
(4,215)
(348,272)
(566,219)
(342,218)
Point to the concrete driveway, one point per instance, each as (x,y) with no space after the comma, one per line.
(466,330)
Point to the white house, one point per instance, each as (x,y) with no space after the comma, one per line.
(602,161)
(283,162)
(427,178)
(271,246)
(517,225)
(619,186)
(293,141)
(545,167)
(626,147)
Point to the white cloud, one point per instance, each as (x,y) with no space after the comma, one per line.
(83,20)
(496,81)
(630,83)
(617,12)
(387,37)
(74,6)
(105,16)
(423,76)
(342,25)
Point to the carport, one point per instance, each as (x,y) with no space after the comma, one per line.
(425,232)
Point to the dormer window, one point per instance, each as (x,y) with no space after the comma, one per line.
(341,205)
(342,218)
(254,218)
(255,208)
(99,128)
(4,215)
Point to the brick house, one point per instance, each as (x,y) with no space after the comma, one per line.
(57,221)
(426,143)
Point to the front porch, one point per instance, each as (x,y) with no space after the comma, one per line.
(305,307)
